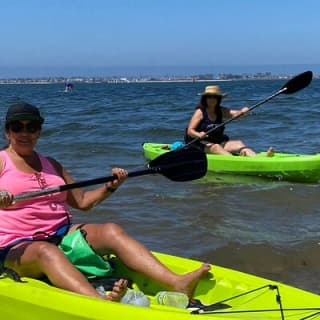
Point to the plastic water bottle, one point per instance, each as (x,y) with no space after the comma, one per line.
(173,299)
(101,290)
(136,298)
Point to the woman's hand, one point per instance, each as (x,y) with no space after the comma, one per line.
(6,199)
(121,175)
(202,135)
(244,110)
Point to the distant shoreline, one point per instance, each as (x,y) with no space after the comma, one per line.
(193,78)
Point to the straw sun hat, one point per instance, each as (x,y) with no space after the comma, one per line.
(213,91)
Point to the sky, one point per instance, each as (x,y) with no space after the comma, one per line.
(93,37)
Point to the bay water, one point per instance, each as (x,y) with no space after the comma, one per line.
(268,228)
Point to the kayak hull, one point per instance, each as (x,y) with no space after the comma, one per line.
(35,300)
(281,166)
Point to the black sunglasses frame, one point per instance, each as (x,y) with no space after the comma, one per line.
(31,127)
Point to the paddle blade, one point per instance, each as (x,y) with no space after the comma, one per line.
(181,165)
(297,83)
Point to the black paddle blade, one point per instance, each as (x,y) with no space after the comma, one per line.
(181,165)
(298,82)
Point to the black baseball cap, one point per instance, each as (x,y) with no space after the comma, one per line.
(23,111)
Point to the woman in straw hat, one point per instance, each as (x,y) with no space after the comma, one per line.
(210,114)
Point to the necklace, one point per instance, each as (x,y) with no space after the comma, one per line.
(14,152)
(30,160)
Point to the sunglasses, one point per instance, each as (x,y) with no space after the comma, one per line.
(212,96)
(31,127)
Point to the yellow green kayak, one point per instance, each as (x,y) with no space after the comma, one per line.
(281,166)
(224,294)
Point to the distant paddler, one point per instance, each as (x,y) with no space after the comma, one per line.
(68,87)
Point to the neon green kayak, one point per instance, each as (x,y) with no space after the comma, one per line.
(226,294)
(281,166)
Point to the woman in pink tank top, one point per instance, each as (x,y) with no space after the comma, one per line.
(22,169)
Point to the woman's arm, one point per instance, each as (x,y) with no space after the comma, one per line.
(232,113)
(6,198)
(87,199)
(193,124)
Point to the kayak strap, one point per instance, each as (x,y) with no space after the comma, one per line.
(221,304)
(212,309)
(304,310)
(10,272)
(197,304)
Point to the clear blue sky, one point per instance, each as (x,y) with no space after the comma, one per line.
(85,35)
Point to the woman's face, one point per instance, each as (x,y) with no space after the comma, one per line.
(212,100)
(23,134)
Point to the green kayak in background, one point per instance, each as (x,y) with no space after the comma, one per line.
(224,294)
(281,166)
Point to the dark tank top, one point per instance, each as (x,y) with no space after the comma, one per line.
(216,136)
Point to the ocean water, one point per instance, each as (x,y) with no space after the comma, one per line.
(268,228)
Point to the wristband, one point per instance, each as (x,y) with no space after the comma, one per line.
(110,189)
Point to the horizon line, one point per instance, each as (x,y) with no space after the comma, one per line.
(7,72)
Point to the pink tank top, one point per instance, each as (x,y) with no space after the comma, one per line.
(42,214)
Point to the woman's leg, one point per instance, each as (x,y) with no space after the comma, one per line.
(237,146)
(109,237)
(38,258)
(216,148)
(247,152)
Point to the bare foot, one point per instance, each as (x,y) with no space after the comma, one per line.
(270,152)
(188,282)
(118,291)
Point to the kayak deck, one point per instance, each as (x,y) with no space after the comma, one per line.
(281,166)
(246,297)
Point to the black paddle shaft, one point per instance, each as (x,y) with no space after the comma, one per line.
(295,84)
(181,165)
